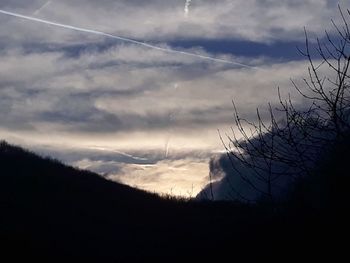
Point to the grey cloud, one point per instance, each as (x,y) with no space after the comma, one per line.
(78,115)
(79,96)
(164,20)
(227,184)
(238,180)
(59,86)
(21,4)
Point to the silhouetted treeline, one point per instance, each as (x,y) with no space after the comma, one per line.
(265,158)
(53,212)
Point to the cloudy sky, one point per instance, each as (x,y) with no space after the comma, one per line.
(136,114)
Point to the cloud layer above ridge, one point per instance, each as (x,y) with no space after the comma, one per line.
(74,90)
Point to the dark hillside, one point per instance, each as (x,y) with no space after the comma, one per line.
(51,211)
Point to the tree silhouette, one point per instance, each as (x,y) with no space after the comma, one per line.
(277,152)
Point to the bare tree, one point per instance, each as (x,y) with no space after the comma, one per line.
(276,151)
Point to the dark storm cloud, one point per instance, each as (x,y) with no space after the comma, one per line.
(235,179)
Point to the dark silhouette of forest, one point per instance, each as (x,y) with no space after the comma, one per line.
(54,212)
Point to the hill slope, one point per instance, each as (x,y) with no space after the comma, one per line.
(51,211)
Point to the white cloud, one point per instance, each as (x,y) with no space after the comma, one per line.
(185,177)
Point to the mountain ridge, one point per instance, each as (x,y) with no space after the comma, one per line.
(53,212)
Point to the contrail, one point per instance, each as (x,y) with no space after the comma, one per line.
(167,146)
(187,7)
(119,152)
(42,7)
(168,50)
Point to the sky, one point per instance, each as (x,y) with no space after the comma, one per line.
(141,115)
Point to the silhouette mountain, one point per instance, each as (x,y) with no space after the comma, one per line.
(53,212)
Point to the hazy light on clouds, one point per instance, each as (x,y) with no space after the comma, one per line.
(67,96)
(86,111)
(184,177)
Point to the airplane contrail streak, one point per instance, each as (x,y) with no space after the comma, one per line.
(119,152)
(168,50)
(167,147)
(187,7)
(42,7)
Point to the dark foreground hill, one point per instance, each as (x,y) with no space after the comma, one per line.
(54,212)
